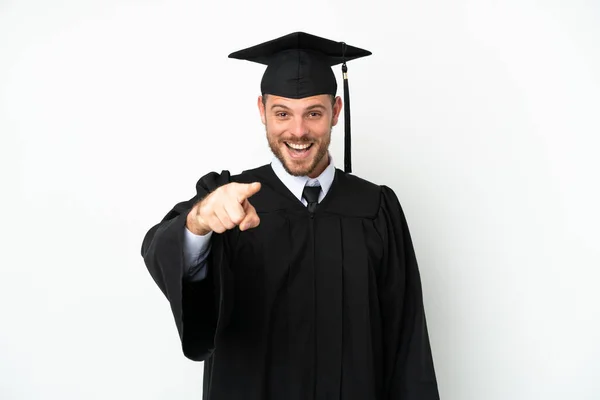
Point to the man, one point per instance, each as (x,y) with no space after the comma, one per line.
(296,280)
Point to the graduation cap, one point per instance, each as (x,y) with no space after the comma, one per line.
(299,65)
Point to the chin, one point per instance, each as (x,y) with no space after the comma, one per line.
(298,169)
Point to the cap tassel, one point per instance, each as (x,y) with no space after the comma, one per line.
(347,136)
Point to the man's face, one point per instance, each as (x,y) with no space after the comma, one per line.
(299,131)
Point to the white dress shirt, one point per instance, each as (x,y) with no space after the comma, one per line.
(197,247)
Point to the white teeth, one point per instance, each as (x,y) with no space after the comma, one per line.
(298,146)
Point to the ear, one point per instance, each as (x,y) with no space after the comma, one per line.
(261,110)
(337,108)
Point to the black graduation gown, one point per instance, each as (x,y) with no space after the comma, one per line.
(305,306)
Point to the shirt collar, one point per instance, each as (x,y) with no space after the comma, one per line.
(296,183)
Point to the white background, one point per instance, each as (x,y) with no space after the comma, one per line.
(483,116)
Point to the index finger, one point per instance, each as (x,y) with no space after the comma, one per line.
(246,190)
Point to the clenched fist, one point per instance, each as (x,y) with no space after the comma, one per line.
(224,209)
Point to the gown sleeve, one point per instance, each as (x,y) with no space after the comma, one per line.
(201,307)
(408,362)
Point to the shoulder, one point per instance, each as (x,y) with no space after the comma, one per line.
(367,197)
(213,180)
(354,182)
(370,189)
(257,174)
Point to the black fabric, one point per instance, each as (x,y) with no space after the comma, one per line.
(347,124)
(299,64)
(332,50)
(323,305)
(311,194)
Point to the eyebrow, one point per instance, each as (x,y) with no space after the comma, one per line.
(314,106)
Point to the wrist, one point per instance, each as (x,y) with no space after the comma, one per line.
(193,224)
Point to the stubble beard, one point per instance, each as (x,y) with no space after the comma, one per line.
(323,147)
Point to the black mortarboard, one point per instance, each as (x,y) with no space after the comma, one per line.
(299,65)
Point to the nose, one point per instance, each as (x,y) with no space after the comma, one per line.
(298,127)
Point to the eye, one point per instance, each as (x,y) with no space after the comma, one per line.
(314,114)
(281,114)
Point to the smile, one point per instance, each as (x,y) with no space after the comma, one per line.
(299,147)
